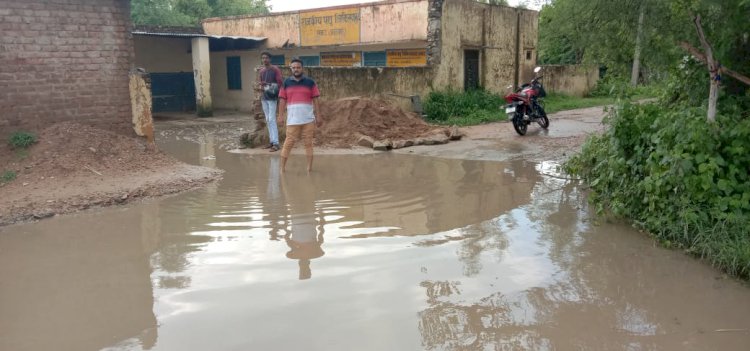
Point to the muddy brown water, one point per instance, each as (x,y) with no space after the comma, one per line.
(370,252)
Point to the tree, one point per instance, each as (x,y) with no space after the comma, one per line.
(610,33)
(158,12)
(191,12)
(223,8)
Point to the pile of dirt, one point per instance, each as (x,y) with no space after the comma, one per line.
(346,120)
(74,166)
(70,148)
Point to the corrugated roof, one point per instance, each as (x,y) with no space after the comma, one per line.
(193,35)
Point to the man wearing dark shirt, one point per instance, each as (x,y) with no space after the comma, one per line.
(269,82)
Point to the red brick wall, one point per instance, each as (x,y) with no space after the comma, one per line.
(64,60)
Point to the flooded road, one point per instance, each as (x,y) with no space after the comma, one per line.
(370,252)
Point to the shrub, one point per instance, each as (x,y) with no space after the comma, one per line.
(671,172)
(614,87)
(7,176)
(21,140)
(464,108)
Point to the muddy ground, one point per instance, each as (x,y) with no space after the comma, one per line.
(74,167)
(498,141)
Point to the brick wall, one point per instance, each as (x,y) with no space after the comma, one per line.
(64,60)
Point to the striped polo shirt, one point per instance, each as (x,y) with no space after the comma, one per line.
(299,96)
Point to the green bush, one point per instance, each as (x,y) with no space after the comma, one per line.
(555,102)
(681,178)
(464,108)
(615,87)
(688,85)
(21,140)
(7,176)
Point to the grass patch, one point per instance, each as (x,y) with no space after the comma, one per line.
(7,176)
(480,106)
(464,108)
(475,118)
(21,140)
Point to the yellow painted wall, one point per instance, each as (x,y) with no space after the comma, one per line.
(499,57)
(280,29)
(225,99)
(573,80)
(162,54)
(404,20)
(394,22)
(242,100)
(529,36)
(467,24)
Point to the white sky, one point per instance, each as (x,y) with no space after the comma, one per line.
(291,5)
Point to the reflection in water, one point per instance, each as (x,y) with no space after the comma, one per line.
(419,253)
(78,283)
(273,206)
(306,236)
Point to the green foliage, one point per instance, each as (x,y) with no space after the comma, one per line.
(464,108)
(191,12)
(559,102)
(604,32)
(21,140)
(7,176)
(683,179)
(682,90)
(610,86)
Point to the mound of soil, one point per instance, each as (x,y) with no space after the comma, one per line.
(346,120)
(69,148)
(74,166)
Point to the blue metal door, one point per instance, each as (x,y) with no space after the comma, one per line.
(173,92)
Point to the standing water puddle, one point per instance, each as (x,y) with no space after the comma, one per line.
(374,252)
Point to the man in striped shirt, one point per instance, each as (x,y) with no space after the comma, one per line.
(299,105)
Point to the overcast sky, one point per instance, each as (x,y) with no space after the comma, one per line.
(291,5)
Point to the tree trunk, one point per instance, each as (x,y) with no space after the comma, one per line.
(713,70)
(637,56)
(713,97)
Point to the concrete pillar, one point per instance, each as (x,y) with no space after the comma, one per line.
(202,76)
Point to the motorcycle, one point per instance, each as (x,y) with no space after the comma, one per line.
(524,105)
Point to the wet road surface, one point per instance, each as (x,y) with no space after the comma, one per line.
(369,252)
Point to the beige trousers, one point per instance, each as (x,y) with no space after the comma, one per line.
(306,132)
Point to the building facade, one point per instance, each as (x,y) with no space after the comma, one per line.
(393,49)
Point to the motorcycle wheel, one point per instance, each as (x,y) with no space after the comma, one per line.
(518,124)
(542,119)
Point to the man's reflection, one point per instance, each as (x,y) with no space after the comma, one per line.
(275,206)
(305,236)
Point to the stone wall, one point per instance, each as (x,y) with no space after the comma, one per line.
(575,80)
(392,84)
(64,60)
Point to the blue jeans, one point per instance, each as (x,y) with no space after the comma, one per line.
(269,109)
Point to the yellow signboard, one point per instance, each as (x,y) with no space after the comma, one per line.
(406,57)
(329,27)
(341,59)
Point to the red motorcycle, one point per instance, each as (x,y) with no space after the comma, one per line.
(524,106)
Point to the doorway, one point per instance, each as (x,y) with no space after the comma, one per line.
(471,69)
